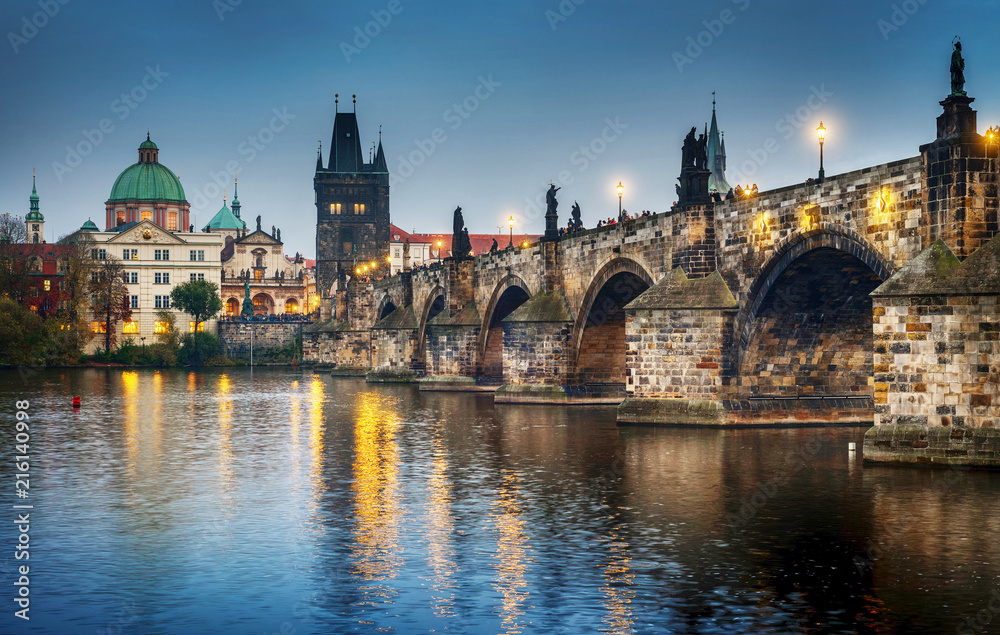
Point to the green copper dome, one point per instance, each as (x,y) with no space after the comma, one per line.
(147,182)
(89,226)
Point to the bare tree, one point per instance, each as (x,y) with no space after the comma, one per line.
(14,281)
(110,295)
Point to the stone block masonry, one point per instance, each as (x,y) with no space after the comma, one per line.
(272,341)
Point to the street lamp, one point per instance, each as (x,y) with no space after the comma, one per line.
(143,340)
(510,221)
(621,190)
(821,131)
(439,252)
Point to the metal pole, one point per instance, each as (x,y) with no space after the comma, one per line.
(822,173)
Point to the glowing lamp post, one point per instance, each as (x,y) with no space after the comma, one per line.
(439,252)
(821,131)
(510,221)
(621,190)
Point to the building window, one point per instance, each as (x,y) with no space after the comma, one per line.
(347,241)
(98,254)
(94,276)
(99,327)
(258,275)
(131,277)
(201,327)
(48,285)
(160,328)
(161,254)
(133,301)
(197,276)
(131,327)
(130,254)
(147,215)
(120,218)
(162,301)
(172,221)
(161,278)
(198,256)
(335,208)
(233,306)
(359,208)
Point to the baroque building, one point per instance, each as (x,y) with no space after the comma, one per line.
(352,207)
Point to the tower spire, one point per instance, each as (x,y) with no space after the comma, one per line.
(336,103)
(716,156)
(236,197)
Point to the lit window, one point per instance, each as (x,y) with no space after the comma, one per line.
(147,215)
(335,208)
(120,218)
(161,327)
(172,221)
(359,208)
(201,327)
(99,327)
(258,275)
(48,285)
(131,327)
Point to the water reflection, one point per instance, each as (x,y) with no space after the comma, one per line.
(440,551)
(375,549)
(513,553)
(617,589)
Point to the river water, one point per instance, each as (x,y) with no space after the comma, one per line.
(283,502)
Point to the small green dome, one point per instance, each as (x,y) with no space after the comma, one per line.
(147,144)
(147,182)
(34,216)
(89,226)
(224,219)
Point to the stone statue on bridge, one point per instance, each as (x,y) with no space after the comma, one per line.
(551,215)
(258,222)
(957,71)
(576,222)
(461,246)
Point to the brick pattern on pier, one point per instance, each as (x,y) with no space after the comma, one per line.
(937,361)
(677,354)
(269,340)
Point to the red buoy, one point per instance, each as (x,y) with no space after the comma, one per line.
(76,402)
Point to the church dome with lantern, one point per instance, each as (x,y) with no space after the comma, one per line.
(148,190)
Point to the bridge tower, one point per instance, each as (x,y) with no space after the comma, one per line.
(352,209)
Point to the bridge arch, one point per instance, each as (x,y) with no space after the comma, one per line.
(508,294)
(434,303)
(805,325)
(386,307)
(598,337)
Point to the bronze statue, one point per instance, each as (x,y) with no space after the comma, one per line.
(247,310)
(688,151)
(957,71)
(494,247)
(701,153)
(258,222)
(551,215)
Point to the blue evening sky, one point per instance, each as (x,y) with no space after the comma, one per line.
(585,93)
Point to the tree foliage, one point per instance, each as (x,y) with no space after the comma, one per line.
(198,298)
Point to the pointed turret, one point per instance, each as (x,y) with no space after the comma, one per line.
(380,164)
(319,158)
(716,157)
(236,198)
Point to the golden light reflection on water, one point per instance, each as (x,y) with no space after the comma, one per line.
(513,554)
(440,551)
(294,420)
(316,428)
(130,397)
(617,588)
(223,389)
(375,550)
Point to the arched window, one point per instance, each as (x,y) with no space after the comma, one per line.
(291,305)
(233,306)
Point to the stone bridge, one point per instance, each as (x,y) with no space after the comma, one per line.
(746,311)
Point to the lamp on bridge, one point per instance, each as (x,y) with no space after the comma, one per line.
(821,131)
(510,221)
(439,252)
(621,190)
